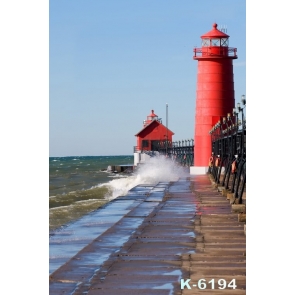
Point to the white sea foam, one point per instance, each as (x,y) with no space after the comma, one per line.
(154,170)
(116,176)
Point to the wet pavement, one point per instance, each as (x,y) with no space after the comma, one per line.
(171,238)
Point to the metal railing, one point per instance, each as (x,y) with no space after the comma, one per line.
(181,151)
(228,138)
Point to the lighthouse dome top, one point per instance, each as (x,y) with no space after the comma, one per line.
(215,33)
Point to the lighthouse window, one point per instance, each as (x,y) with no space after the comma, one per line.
(224,41)
(215,42)
(206,42)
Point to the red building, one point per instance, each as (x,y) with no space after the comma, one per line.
(153,131)
(215,91)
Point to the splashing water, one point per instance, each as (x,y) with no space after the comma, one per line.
(154,170)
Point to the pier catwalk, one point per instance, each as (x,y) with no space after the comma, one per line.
(174,238)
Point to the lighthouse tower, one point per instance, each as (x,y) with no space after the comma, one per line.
(215,91)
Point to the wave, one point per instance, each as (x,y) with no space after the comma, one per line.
(154,170)
(79,195)
(62,215)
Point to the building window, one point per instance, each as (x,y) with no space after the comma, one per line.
(145,143)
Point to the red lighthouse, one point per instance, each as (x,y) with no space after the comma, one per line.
(215,91)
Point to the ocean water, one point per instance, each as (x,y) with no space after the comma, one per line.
(77,185)
(80,185)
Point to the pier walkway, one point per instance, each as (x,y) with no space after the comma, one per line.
(182,237)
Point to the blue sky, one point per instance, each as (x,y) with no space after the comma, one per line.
(111,62)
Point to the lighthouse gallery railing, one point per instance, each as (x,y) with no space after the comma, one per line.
(215,51)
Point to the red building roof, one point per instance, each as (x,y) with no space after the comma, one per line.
(149,126)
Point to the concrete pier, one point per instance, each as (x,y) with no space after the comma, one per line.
(182,237)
